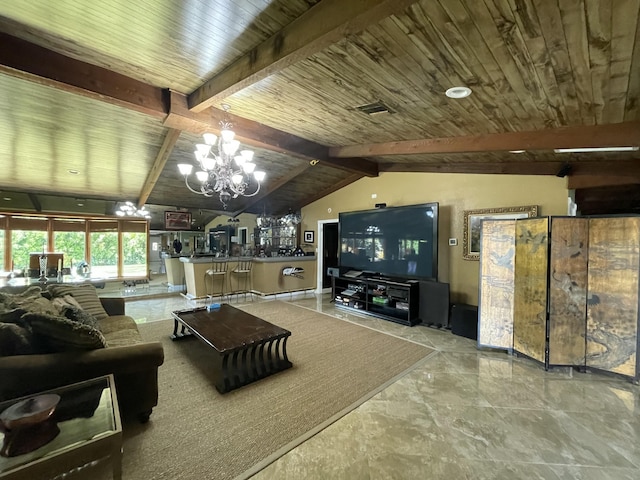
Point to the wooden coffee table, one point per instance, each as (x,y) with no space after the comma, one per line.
(246,347)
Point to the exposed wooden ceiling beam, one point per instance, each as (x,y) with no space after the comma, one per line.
(530,168)
(611,135)
(259,135)
(158,165)
(322,25)
(273,186)
(575,182)
(21,59)
(33,198)
(584,167)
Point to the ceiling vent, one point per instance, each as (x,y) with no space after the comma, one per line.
(374,108)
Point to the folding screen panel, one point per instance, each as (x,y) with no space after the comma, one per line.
(612,302)
(568,290)
(495,312)
(530,288)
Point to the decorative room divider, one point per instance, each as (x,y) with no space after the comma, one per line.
(563,291)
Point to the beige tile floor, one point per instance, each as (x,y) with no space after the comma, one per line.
(464,414)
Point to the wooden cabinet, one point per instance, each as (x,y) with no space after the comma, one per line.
(394,300)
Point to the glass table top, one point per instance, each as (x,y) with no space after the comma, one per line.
(85,412)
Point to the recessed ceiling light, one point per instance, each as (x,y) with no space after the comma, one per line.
(595,149)
(458,92)
(73,172)
(517,151)
(6,198)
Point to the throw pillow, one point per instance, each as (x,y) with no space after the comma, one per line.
(79,315)
(12,297)
(15,306)
(84,294)
(16,340)
(68,307)
(62,334)
(66,301)
(22,291)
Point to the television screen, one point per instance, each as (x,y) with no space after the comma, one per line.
(395,242)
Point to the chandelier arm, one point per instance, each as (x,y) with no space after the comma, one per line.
(254,193)
(186,182)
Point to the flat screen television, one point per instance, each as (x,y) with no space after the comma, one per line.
(395,242)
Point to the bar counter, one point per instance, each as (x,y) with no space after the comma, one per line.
(174,269)
(269,275)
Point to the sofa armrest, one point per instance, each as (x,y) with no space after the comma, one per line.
(27,374)
(113,306)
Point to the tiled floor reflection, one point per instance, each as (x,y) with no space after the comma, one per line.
(464,414)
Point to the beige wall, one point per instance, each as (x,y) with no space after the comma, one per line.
(454,193)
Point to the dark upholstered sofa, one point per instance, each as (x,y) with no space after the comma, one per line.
(58,361)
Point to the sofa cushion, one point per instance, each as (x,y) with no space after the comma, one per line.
(120,330)
(16,340)
(62,334)
(85,295)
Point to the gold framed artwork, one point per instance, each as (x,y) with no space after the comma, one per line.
(473,222)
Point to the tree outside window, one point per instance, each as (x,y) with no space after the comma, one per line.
(24,242)
(104,254)
(134,250)
(72,245)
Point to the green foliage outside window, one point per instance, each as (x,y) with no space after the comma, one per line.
(134,248)
(104,248)
(72,245)
(24,242)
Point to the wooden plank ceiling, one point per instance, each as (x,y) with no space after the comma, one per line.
(120,93)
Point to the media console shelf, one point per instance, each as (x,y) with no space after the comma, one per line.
(392,299)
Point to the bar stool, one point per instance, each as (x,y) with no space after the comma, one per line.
(218,270)
(242,272)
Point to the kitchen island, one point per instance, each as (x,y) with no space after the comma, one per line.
(269,275)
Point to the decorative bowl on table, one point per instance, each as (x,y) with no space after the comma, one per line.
(28,412)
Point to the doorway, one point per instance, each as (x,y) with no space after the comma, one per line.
(327,253)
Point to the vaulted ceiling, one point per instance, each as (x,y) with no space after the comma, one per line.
(120,91)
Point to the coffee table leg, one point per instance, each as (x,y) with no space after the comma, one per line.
(183,331)
(175,329)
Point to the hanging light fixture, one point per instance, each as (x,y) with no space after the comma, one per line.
(264,220)
(128,209)
(223,173)
(291,219)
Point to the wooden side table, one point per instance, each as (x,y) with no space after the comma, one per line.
(90,429)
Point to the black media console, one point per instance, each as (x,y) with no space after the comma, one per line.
(392,299)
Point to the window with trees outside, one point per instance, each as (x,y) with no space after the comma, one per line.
(69,237)
(111,247)
(28,235)
(104,248)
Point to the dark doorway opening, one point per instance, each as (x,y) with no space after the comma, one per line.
(330,247)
